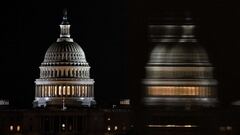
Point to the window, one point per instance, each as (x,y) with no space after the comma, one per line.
(178,91)
(73,91)
(64,90)
(109,128)
(49,91)
(55,90)
(11,127)
(63,126)
(42,89)
(18,128)
(45,91)
(83,90)
(60,90)
(68,91)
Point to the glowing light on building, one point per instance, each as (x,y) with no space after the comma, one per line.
(172,126)
(11,127)
(18,128)
(109,128)
(4,102)
(225,128)
(178,91)
(125,102)
(63,126)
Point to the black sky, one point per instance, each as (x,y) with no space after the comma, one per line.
(113,37)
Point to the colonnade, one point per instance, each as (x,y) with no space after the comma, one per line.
(200,91)
(64,56)
(207,73)
(86,90)
(62,72)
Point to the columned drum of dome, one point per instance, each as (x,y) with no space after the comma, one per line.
(64,74)
(178,72)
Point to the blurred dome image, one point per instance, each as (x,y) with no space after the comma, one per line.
(178,72)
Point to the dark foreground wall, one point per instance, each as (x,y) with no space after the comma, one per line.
(68,122)
(164,121)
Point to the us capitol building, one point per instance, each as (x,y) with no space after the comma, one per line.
(64,74)
(179,91)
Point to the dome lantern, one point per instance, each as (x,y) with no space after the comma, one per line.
(65,29)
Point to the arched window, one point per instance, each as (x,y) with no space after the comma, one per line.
(68,91)
(73,91)
(59,90)
(64,90)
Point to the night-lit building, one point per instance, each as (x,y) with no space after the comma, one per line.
(64,74)
(179,92)
(64,98)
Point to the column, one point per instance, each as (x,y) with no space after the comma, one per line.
(66,72)
(80,91)
(83,90)
(45,90)
(86,88)
(57,72)
(92,90)
(76,91)
(70,89)
(49,91)
(42,91)
(52,90)
(55,91)
(71,72)
(54,73)
(74,73)
(36,91)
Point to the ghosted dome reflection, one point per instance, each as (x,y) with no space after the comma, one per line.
(178,72)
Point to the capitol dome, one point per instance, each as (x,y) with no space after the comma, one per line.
(178,72)
(181,53)
(64,53)
(64,74)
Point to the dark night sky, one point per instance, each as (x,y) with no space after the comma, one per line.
(113,37)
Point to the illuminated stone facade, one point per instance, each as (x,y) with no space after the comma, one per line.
(178,71)
(64,74)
